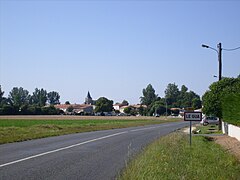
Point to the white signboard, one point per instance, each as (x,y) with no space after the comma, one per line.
(192,116)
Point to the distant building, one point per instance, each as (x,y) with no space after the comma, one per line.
(88,99)
(117,106)
(81,109)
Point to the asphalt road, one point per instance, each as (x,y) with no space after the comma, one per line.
(99,155)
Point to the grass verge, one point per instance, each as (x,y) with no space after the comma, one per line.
(171,157)
(209,129)
(15,130)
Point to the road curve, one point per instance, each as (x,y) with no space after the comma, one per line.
(90,156)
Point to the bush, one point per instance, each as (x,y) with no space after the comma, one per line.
(231,108)
(7,110)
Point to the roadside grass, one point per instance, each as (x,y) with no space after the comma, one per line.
(171,157)
(15,130)
(209,129)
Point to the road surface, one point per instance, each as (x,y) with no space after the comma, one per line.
(97,155)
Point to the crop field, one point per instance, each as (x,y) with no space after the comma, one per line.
(22,128)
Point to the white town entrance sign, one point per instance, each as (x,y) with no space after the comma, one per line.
(192,116)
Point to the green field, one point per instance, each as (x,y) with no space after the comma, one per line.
(171,157)
(14,130)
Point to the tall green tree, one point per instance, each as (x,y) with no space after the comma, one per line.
(53,98)
(182,98)
(104,105)
(39,97)
(149,95)
(18,97)
(172,94)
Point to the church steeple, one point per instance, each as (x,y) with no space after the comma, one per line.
(88,99)
(88,95)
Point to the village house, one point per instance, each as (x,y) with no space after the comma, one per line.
(80,109)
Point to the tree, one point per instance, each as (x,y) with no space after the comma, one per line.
(3,100)
(104,105)
(1,94)
(158,107)
(182,98)
(67,103)
(130,110)
(39,97)
(70,109)
(125,103)
(53,98)
(196,103)
(18,97)
(7,110)
(50,110)
(127,110)
(172,94)
(212,99)
(149,95)
(142,111)
(184,89)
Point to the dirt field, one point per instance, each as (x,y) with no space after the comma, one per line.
(63,117)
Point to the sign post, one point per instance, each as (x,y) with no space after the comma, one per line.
(192,116)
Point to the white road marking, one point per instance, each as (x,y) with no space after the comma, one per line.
(60,149)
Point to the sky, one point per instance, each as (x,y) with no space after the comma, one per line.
(115,48)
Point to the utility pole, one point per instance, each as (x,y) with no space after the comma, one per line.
(220,75)
(220,61)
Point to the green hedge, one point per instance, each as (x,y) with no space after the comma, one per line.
(231,108)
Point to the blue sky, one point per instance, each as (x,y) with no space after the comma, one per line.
(115,48)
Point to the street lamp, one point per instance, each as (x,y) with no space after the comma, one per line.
(219,51)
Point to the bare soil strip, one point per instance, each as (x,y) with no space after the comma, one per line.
(232,145)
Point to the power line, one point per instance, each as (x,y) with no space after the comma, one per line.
(231,49)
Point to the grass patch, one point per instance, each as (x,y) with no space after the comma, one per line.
(15,130)
(171,157)
(209,129)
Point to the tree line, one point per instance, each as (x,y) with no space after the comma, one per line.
(152,104)
(174,98)
(19,101)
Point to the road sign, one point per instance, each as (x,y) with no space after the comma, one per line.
(192,116)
